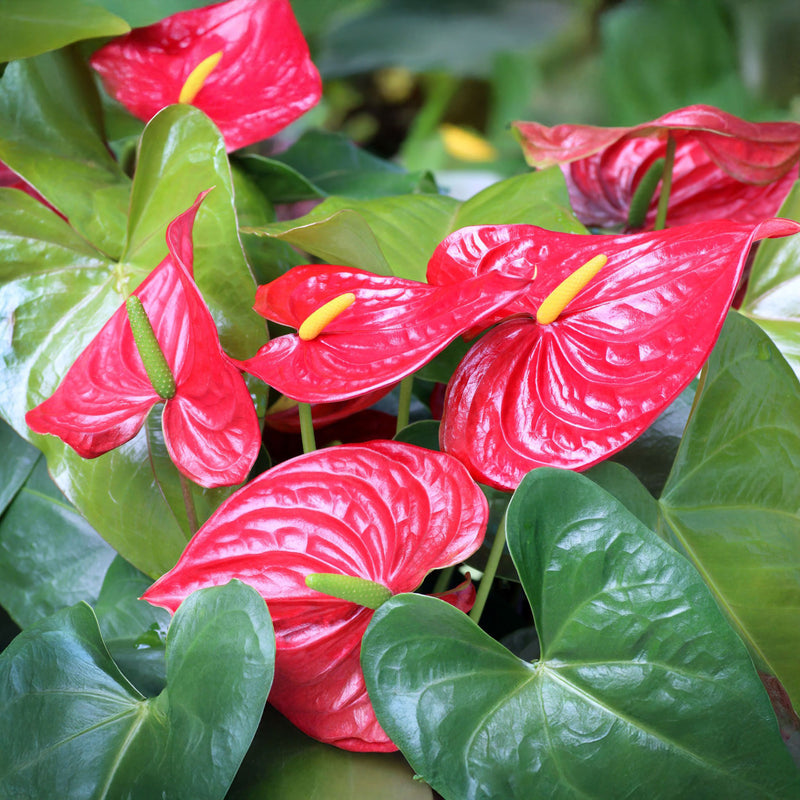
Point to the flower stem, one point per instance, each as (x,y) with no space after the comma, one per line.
(306,427)
(666,186)
(188,502)
(443,579)
(488,574)
(404,403)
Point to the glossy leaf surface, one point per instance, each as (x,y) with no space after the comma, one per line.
(374,235)
(264,80)
(742,531)
(383,511)
(59,291)
(570,393)
(210,425)
(773,289)
(51,133)
(642,689)
(725,167)
(67,703)
(33,28)
(393,327)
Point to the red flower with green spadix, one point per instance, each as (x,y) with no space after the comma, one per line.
(325,538)
(724,166)
(359,332)
(244,63)
(608,333)
(172,355)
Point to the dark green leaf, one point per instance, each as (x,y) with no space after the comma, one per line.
(146,12)
(320,164)
(642,688)
(626,487)
(732,501)
(50,556)
(285,764)
(31,27)
(134,631)
(19,458)
(51,133)
(68,704)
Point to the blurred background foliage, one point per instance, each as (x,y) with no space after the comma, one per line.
(411,80)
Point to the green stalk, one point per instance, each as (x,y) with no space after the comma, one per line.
(443,580)
(404,404)
(306,428)
(188,503)
(491,570)
(666,186)
(644,193)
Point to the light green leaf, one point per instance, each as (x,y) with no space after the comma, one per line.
(31,27)
(642,688)
(397,235)
(68,704)
(732,501)
(51,133)
(773,289)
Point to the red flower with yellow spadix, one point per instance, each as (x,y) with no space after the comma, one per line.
(244,63)
(724,166)
(161,346)
(359,332)
(610,330)
(325,538)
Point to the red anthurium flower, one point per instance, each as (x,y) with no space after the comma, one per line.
(210,425)
(385,512)
(570,392)
(358,332)
(725,167)
(244,63)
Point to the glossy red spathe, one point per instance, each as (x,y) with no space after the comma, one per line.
(393,327)
(264,79)
(384,511)
(725,167)
(570,393)
(210,425)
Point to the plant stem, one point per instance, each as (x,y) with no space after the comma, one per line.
(488,574)
(188,502)
(404,404)
(666,186)
(306,428)
(443,580)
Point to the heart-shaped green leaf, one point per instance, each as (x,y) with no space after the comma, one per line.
(81,730)
(17,464)
(51,133)
(642,688)
(773,290)
(32,28)
(397,235)
(58,293)
(732,501)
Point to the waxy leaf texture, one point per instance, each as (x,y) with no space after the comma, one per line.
(210,426)
(725,167)
(384,511)
(570,393)
(642,689)
(264,79)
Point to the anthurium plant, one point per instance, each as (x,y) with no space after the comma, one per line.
(393,494)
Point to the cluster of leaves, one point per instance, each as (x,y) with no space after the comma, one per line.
(660,589)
